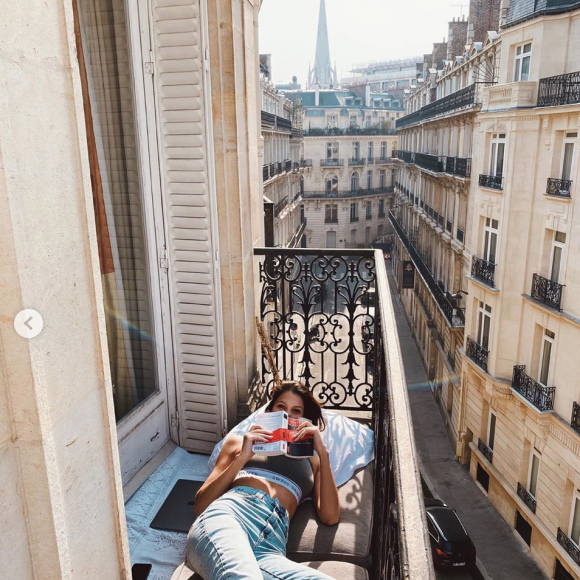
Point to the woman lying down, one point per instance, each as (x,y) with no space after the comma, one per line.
(243,521)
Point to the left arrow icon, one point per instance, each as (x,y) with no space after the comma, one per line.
(28,323)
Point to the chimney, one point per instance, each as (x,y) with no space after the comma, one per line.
(457,38)
(317,94)
(367,95)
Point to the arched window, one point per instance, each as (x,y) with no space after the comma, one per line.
(332,184)
(354,182)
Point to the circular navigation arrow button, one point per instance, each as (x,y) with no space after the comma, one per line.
(28,323)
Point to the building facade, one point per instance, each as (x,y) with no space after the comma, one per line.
(281,122)
(495,130)
(348,166)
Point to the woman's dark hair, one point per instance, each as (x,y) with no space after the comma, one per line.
(312,408)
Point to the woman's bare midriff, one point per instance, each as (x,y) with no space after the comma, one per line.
(275,490)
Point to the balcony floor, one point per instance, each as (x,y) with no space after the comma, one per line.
(165,550)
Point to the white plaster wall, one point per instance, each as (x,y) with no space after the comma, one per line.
(61,506)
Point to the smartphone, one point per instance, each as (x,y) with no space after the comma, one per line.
(140,571)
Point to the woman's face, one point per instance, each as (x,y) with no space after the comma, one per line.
(291,403)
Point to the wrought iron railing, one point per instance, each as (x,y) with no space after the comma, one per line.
(485,450)
(462,167)
(559,90)
(306,163)
(355,161)
(568,545)
(559,187)
(483,270)
(358,193)
(491,181)
(527,497)
(295,240)
(547,291)
(331,162)
(429,162)
(345,333)
(279,207)
(465,97)
(265,172)
(537,394)
(575,421)
(382,160)
(271,121)
(355,130)
(477,353)
(452,314)
(297,133)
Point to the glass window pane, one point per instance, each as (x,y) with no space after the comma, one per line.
(517,70)
(567,161)
(485,336)
(491,438)
(575,529)
(545,366)
(492,248)
(499,163)
(556,262)
(492,159)
(486,245)
(534,475)
(526,68)
(528,47)
(125,271)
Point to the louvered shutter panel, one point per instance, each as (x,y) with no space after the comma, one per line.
(179,79)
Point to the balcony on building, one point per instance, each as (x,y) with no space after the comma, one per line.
(547,291)
(331,163)
(275,123)
(477,353)
(464,98)
(575,420)
(559,187)
(516,95)
(354,368)
(559,90)
(352,130)
(491,181)
(538,395)
(432,163)
(357,161)
(569,546)
(296,238)
(455,316)
(348,193)
(527,497)
(306,163)
(458,166)
(485,450)
(483,271)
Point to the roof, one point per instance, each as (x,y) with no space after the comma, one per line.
(520,10)
(343,99)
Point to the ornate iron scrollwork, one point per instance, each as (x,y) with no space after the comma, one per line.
(527,497)
(318,307)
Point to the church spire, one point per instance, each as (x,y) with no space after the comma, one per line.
(322,74)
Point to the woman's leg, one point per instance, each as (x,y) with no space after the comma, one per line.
(220,542)
(278,567)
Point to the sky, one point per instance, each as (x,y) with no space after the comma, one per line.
(359,31)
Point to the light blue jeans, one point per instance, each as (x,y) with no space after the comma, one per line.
(242,536)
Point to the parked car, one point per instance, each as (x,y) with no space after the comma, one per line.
(450,543)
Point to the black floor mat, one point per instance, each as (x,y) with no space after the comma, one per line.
(176,514)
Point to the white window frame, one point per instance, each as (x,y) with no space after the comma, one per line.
(354,178)
(353,121)
(489,231)
(331,212)
(369,214)
(534,453)
(562,247)
(371,150)
(332,148)
(353,237)
(356,150)
(497,139)
(383,149)
(483,311)
(332,121)
(546,338)
(570,138)
(353,210)
(575,498)
(382,178)
(369,179)
(333,180)
(519,62)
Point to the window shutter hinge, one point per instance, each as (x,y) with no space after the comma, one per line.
(175,419)
(149,68)
(225,428)
(163,262)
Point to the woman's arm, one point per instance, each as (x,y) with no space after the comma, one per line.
(235,453)
(324,493)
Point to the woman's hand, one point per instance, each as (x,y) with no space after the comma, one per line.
(256,434)
(307,429)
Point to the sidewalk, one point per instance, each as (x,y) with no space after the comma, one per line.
(500,555)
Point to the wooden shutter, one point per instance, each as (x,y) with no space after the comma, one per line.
(184,150)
